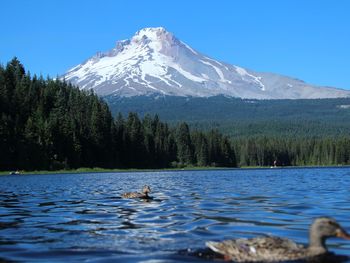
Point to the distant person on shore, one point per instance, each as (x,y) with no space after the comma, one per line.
(275,163)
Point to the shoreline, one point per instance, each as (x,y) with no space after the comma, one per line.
(135,170)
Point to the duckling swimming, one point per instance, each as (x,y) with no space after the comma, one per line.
(276,249)
(143,195)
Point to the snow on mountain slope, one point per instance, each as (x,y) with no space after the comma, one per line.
(154,61)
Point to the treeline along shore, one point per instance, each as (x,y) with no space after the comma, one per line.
(48,124)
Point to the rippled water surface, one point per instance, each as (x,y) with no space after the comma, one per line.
(81,217)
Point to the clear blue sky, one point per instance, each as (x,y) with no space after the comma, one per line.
(306,39)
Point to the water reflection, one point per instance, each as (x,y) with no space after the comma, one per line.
(80,217)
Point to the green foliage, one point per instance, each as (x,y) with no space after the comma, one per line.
(263,151)
(290,132)
(51,125)
(184,145)
(48,124)
(242,117)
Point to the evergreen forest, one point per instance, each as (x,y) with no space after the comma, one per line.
(48,124)
(245,117)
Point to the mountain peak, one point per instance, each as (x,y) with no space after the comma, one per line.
(151,32)
(154,61)
(156,35)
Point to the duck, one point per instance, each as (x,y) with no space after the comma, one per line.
(277,249)
(146,189)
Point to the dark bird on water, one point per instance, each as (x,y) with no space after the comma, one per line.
(143,195)
(277,249)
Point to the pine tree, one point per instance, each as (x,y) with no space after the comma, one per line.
(184,145)
(136,150)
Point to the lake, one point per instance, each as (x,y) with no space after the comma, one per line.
(81,217)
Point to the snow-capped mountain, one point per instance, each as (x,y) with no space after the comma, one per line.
(154,61)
